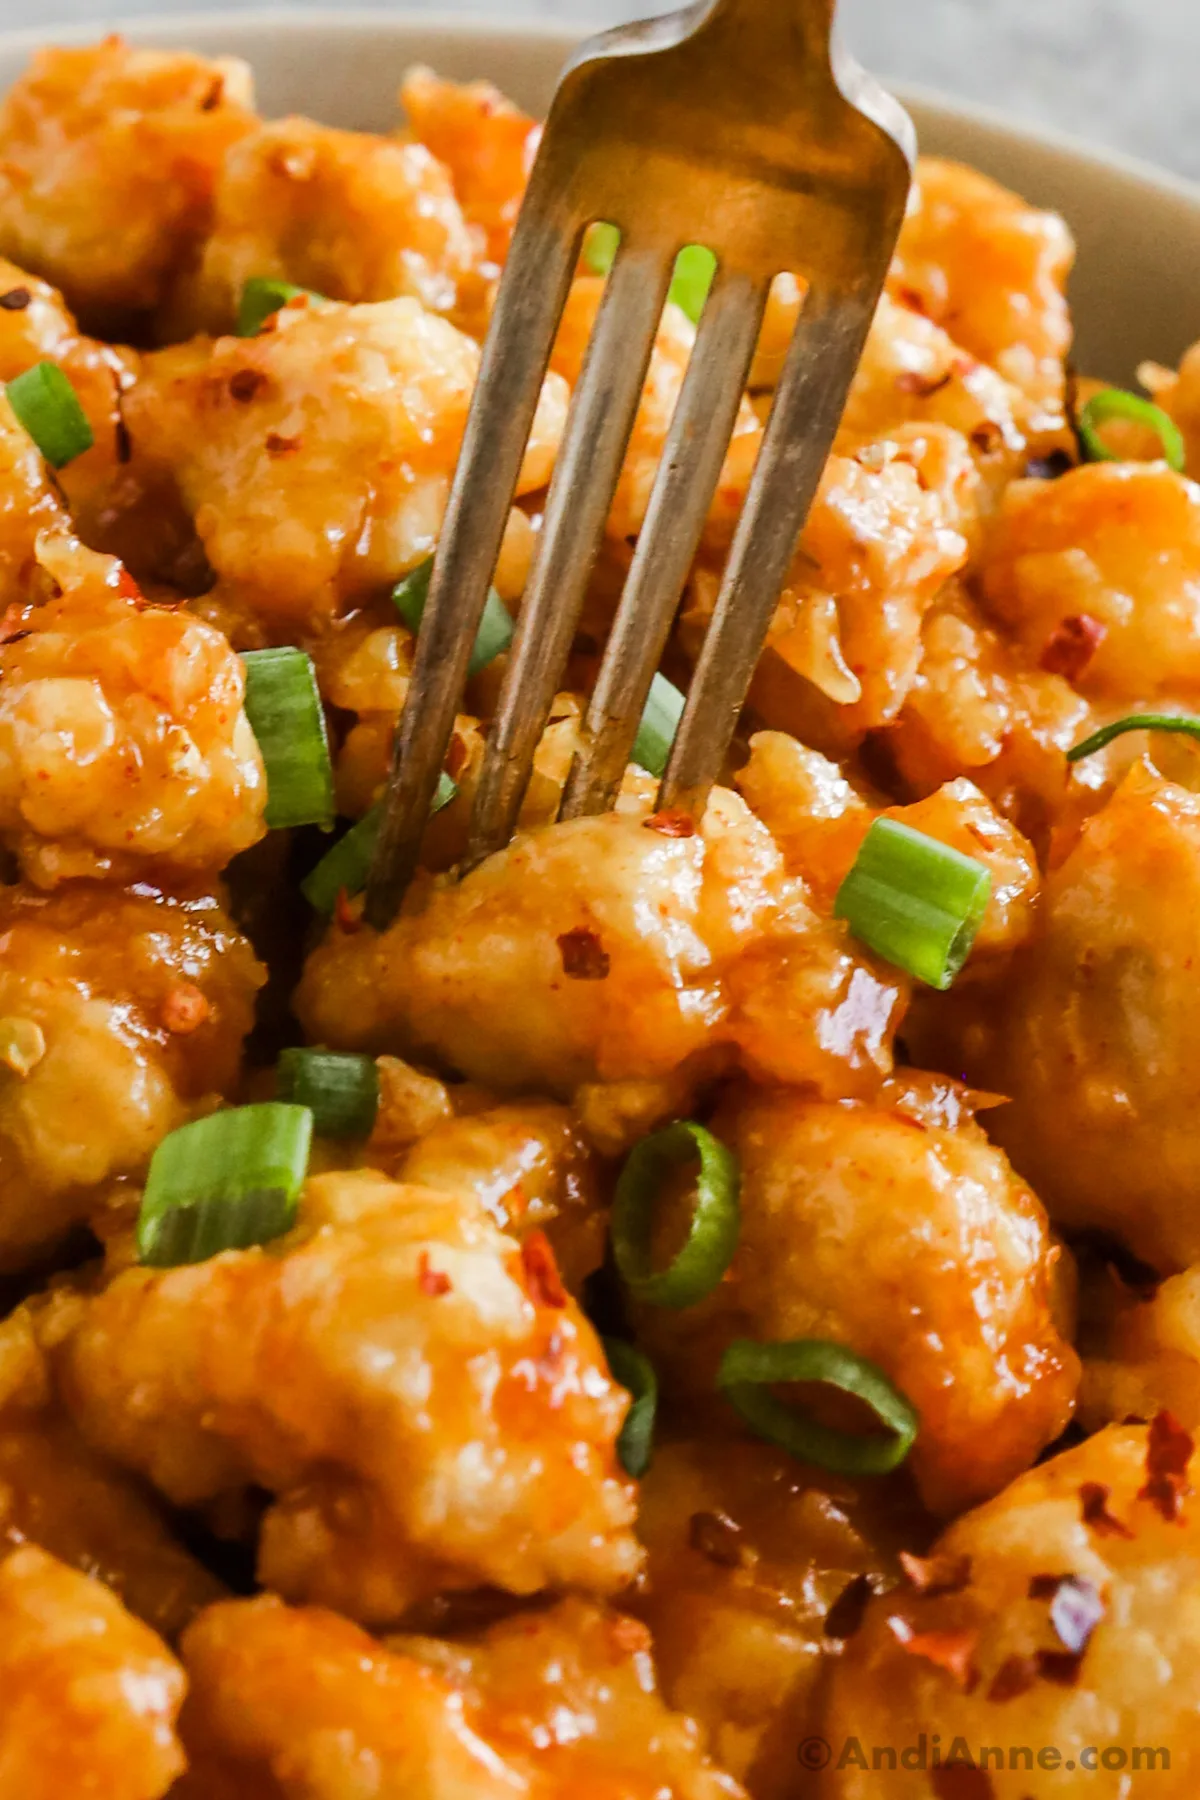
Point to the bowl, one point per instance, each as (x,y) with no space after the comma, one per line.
(1138,228)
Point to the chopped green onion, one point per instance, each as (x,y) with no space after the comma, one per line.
(695,267)
(745,1376)
(1116,403)
(660,722)
(223,1183)
(48,407)
(600,247)
(635,1372)
(345,868)
(1182,722)
(495,628)
(262,296)
(918,903)
(340,1090)
(716,1220)
(283,705)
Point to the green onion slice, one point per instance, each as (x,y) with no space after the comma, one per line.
(283,705)
(495,628)
(262,296)
(695,267)
(918,903)
(660,722)
(223,1183)
(1186,723)
(345,868)
(48,407)
(1116,403)
(716,1220)
(635,1372)
(340,1090)
(748,1369)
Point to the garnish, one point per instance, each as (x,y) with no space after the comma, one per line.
(48,407)
(223,1183)
(916,902)
(340,1090)
(1116,403)
(713,1234)
(283,705)
(1185,723)
(635,1372)
(343,870)
(748,1370)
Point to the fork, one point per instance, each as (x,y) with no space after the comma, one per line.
(744,126)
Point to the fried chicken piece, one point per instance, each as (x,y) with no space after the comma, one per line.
(1112,551)
(896,1229)
(124,747)
(547,1705)
(991,270)
(819,820)
(121,1013)
(346,214)
(1061,1617)
(887,529)
(90,1694)
(486,142)
(316,458)
(756,1568)
(614,950)
(427,1406)
(108,160)
(1097,1040)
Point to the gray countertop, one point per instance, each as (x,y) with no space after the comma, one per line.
(1120,72)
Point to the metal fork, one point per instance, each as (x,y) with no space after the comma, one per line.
(741,125)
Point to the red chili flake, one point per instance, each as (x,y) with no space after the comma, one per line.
(953,1651)
(961,1781)
(344,915)
(214,96)
(278,445)
(1013,1678)
(987,437)
(584,957)
(12,625)
(672,824)
(185,1009)
(434,1282)
(914,300)
(128,588)
(514,1204)
(1094,1496)
(1168,1452)
(844,1618)
(629,1637)
(246,383)
(936,1574)
(1059,1666)
(923,386)
(718,1537)
(541,1271)
(457,756)
(1072,644)
(16,299)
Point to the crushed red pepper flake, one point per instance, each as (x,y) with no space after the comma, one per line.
(244,384)
(345,917)
(1015,1676)
(673,823)
(844,1618)
(542,1278)
(1072,644)
(434,1282)
(12,626)
(629,1637)
(1060,1666)
(584,957)
(923,386)
(936,1574)
(1094,1498)
(1168,1452)
(279,445)
(718,1537)
(184,1009)
(953,1651)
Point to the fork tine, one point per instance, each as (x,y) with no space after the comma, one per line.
(808,404)
(586,472)
(531,300)
(687,478)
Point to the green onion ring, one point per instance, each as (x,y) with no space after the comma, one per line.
(713,1237)
(1116,403)
(47,405)
(634,1371)
(745,1376)
(1186,723)
(915,901)
(224,1182)
(340,1089)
